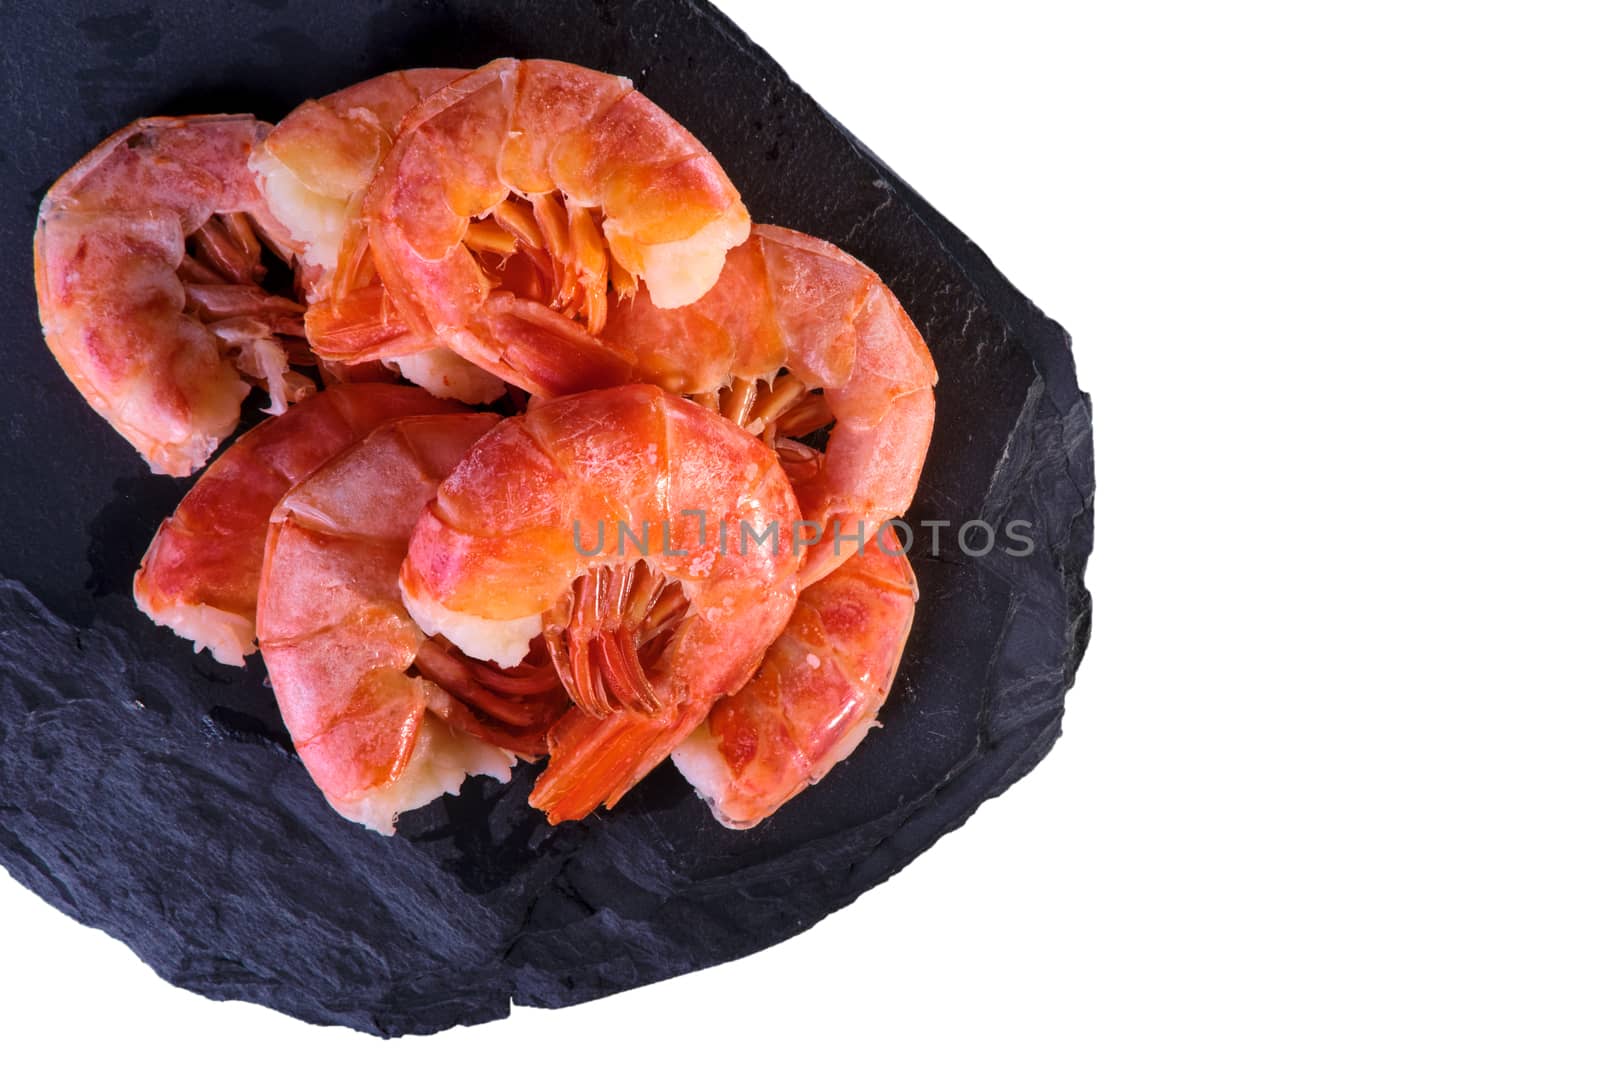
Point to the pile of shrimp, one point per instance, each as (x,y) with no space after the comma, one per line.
(563,459)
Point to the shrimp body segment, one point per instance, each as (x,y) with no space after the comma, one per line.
(518,197)
(147,264)
(816,695)
(383,719)
(200,574)
(315,165)
(796,335)
(314,169)
(646,628)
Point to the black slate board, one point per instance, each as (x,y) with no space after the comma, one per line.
(151,793)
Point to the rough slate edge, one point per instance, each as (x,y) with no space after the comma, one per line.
(1055,400)
(1055,443)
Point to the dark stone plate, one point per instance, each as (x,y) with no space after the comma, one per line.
(151,793)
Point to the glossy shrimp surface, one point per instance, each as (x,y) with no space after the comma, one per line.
(383,718)
(816,695)
(314,169)
(147,264)
(796,335)
(516,199)
(646,629)
(199,576)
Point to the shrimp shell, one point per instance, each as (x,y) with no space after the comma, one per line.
(816,694)
(564,181)
(200,573)
(139,326)
(792,305)
(495,559)
(377,735)
(314,169)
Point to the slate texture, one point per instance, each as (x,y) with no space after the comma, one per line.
(151,793)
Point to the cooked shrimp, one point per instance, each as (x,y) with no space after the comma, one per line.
(199,576)
(147,262)
(791,314)
(314,169)
(816,695)
(516,198)
(383,718)
(647,622)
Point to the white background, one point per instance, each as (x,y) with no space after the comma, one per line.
(1329,784)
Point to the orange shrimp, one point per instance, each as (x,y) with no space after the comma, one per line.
(383,718)
(199,576)
(514,199)
(147,264)
(791,314)
(314,169)
(647,623)
(816,695)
